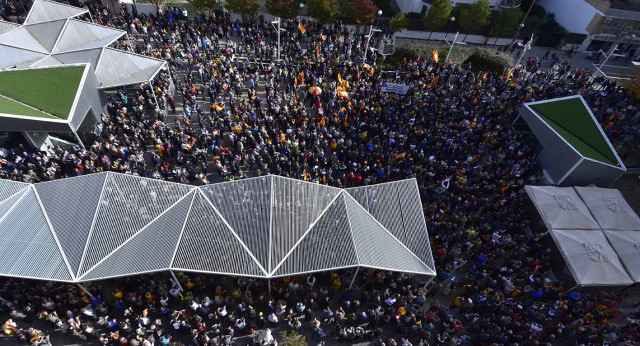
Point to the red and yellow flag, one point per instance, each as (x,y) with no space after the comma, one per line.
(317,51)
(509,73)
(295,82)
(434,55)
(342,92)
(218,107)
(301,77)
(301,28)
(485,75)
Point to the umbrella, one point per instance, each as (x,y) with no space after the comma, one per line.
(314,90)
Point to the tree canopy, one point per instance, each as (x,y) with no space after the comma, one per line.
(505,22)
(398,22)
(438,15)
(283,8)
(364,11)
(474,18)
(324,10)
(244,7)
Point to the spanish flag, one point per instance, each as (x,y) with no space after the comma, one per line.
(342,92)
(295,82)
(485,75)
(301,77)
(509,73)
(433,82)
(218,107)
(317,51)
(434,55)
(301,28)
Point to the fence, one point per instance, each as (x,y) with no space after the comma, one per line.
(440,36)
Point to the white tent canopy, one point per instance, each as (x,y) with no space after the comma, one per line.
(609,208)
(267,226)
(592,261)
(561,208)
(607,251)
(51,33)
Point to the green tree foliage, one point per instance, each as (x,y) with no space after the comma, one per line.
(474,18)
(292,339)
(243,7)
(283,8)
(398,22)
(364,11)
(202,4)
(438,15)
(324,10)
(505,22)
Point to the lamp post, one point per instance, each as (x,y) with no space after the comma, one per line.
(371,31)
(301,7)
(453,43)
(515,38)
(277,23)
(525,48)
(379,14)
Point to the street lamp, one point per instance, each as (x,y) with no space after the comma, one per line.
(379,14)
(301,7)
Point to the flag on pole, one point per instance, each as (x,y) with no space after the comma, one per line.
(217,107)
(434,55)
(485,75)
(317,51)
(301,28)
(295,82)
(301,77)
(342,92)
(582,90)
(509,73)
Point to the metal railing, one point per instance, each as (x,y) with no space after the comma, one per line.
(510,3)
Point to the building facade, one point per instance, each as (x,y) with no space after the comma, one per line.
(422,6)
(606,23)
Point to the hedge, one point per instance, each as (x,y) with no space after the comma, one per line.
(481,59)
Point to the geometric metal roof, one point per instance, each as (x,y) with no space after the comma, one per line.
(109,224)
(51,35)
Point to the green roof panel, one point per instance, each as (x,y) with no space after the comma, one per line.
(8,106)
(572,120)
(52,90)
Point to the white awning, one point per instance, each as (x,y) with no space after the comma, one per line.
(48,11)
(593,262)
(609,208)
(561,208)
(119,68)
(267,226)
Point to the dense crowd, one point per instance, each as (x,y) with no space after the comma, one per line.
(235,112)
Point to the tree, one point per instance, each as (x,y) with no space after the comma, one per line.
(324,10)
(202,4)
(243,7)
(292,339)
(474,18)
(505,22)
(364,11)
(283,8)
(438,15)
(398,22)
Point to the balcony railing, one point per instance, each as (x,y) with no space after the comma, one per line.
(510,3)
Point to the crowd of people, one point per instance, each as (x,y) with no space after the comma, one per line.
(226,109)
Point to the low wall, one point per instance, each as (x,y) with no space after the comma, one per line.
(440,36)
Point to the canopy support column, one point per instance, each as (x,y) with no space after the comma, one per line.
(353,279)
(176,280)
(86,291)
(269,286)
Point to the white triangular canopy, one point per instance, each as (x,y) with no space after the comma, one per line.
(592,260)
(79,35)
(7,26)
(22,38)
(609,208)
(627,246)
(561,208)
(260,227)
(118,68)
(48,11)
